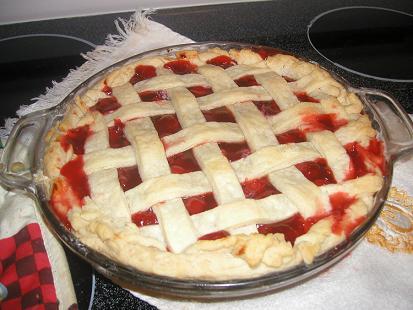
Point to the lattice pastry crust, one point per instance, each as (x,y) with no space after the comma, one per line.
(214,164)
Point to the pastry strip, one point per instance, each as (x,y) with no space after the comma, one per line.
(139,110)
(113,202)
(108,158)
(202,133)
(150,155)
(166,187)
(278,88)
(272,158)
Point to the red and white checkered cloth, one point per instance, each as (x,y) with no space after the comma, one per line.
(33,268)
(25,271)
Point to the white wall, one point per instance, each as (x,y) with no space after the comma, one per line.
(12,11)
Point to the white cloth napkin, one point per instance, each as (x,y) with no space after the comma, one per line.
(370,277)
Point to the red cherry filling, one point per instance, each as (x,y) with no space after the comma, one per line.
(304,97)
(200,91)
(129,177)
(374,154)
(339,203)
(166,124)
(349,227)
(144,218)
(143,72)
(149,95)
(215,235)
(288,79)
(266,52)
(222,61)
(317,171)
(117,136)
(292,227)
(291,136)
(318,122)
(184,162)
(181,66)
(358,166)
(267,108)
(107,90)
(246,80)
(106,105)
(258,188)
(221,114)
(76,177)
(296,225)
(234,151)
(76,137)
(199,203)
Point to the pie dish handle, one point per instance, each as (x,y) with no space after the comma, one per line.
(21,153)
(395,120)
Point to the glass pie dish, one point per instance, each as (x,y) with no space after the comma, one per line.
(23,165)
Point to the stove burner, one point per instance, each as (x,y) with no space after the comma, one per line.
(370,41)
(29,63)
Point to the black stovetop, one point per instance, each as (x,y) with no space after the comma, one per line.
(380,48)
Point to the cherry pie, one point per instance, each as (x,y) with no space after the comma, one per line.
(214,164)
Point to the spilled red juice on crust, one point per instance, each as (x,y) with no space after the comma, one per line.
(62,200)
(359,156)
(376,154)
(340,202)
(69,191)
(349,227)
(296,225)
(76,177)
(357,161)
(76,137)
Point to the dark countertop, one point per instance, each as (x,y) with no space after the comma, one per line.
(281,24)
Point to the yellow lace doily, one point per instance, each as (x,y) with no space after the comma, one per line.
(394,227)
